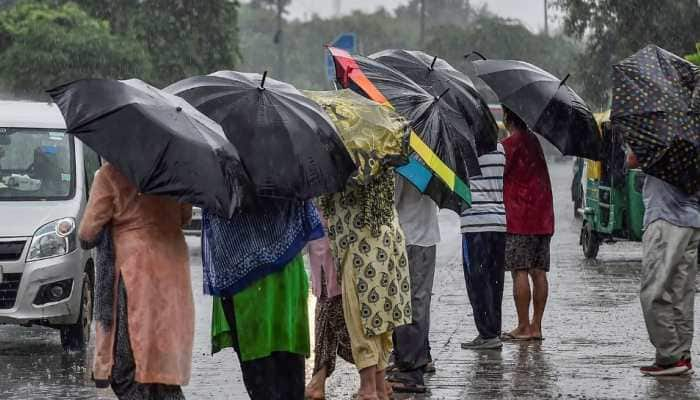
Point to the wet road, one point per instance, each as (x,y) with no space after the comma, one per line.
(595,337)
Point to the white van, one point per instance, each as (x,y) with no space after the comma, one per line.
(45,176)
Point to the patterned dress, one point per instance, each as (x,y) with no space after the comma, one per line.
(365,235)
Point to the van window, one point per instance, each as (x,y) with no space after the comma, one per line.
(36,164)
(92,164)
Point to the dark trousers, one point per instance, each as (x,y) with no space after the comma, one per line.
(483,259)
(123,380)
(279,376)
(411,345)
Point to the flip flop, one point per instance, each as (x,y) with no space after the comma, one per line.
(402,387)
(509,337)
(537,338)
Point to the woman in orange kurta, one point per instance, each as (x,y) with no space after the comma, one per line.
(153,310)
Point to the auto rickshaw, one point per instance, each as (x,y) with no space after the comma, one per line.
(613,209)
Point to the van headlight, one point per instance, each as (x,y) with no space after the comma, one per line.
(54,239)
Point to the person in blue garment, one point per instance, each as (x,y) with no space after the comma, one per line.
(254,269)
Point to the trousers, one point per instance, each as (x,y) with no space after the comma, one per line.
(279,376)
(411,343)
(669,268)
(483,260)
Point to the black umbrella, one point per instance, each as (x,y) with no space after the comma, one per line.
(656,105)
(546,104)
(288,145)
(436,75)
(440,127)
(162,144)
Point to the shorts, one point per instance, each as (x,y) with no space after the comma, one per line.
(526,252)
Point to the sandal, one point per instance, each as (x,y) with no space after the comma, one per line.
(509,337)
(403,387)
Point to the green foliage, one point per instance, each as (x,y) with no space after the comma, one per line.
(119,13)
(452,29)
(43,45)
(437,13)
(615,29)
(694,58)
(495,37)
(44,42)
(189,37)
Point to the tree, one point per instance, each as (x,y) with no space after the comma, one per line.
(119,13)
(42,45)
(615,29)
(499,38)
(280,9)
(695,57)
(189,37)
(496,37)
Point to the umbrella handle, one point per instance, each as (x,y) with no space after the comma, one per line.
(563,82)
(475,53)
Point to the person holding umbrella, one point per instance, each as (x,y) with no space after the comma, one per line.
(133,352)
(655,107)
(161,154)
(365,236)
(527,195)
(669,266)
(254,269)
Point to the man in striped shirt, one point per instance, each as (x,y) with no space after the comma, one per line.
(483,249)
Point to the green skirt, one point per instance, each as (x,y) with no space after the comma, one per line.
(271,315)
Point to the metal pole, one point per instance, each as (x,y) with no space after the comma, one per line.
(280,41)
(546,19)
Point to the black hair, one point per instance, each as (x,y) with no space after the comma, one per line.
(511,119)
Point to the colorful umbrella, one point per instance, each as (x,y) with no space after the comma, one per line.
(288,145)
(546,104)
(436,75)
(376,137)
(442,142)
(161,143)
(656,105)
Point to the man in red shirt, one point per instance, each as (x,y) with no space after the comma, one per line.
(527,194)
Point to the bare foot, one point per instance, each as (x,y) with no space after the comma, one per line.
(367,396)
(519,333)
(314,393)
(316,389)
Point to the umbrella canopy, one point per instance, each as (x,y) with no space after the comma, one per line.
(436,75)
(656,105)
(546,104)
(375,135)
(158,141)
(288,145)
(442,141)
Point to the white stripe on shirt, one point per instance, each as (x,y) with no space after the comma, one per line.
(488,213)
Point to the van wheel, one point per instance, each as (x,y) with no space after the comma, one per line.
(77,336)
(589,242)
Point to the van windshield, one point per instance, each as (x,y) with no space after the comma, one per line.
(36,164)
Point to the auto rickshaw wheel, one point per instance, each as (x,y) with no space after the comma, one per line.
(589,241)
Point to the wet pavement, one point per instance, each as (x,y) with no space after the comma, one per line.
(594,337)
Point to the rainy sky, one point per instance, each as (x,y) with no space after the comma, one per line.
(531,12)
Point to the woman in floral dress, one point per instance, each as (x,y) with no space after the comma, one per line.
(369,247)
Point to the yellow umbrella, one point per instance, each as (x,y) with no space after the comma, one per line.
(375,136)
